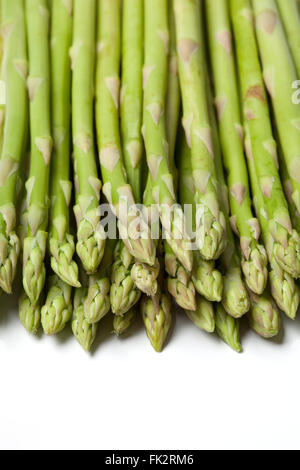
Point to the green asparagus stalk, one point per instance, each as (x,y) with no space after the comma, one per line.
(283,288)
(154,129)
(263,316)
(29,314)
(271,37)
(131,108)
(263,146)
(122,323)
(156,314)
(290,16)
(145,277)
(179,282)
(280,74)
(123,292)
(235,298)
(97,302)
(133,229)
(37,186)
(62,246)
(211,230)
(254,257)
(57,310)
(207,279)
(84,332)
(203,316)
(90,233)
(173,98)
(227,328)
(15,69)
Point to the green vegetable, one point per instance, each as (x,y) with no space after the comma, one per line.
(90,234)
(264,317)
(207,279)
(283,287)
(157,317)
(15,69)
(116,189)
(57,311)
(97,302)
(254,257)
(203,316)
(123,292)
(145,277)
(132,92)
(235,298)
(290,16)
(122,323)
(210,232)
(227,328)
(154,128)
(271,37)
(179,282)
(37,186)
(84,332)
(61,242)
(29,314)
(279,75)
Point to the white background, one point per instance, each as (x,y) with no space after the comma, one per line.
(197,394)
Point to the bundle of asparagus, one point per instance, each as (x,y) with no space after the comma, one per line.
(193,120)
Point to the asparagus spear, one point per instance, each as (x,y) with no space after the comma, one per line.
(117,191)
(131,109)
(203,316)
(290,16)
(173,98)
(264,317)
(256,115)
(15,69)
(145,277)
(37,186)
(154,129)
(280,74)
(29,314)
(123,292)
(283,287)
(179,282)
(235,297)
(97,302)
(254,257)
(62,244)
(57,310)
(210,232)
(227,328)
(156,314)
(90,233)
(207,279)
(84,332)
(122,323)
